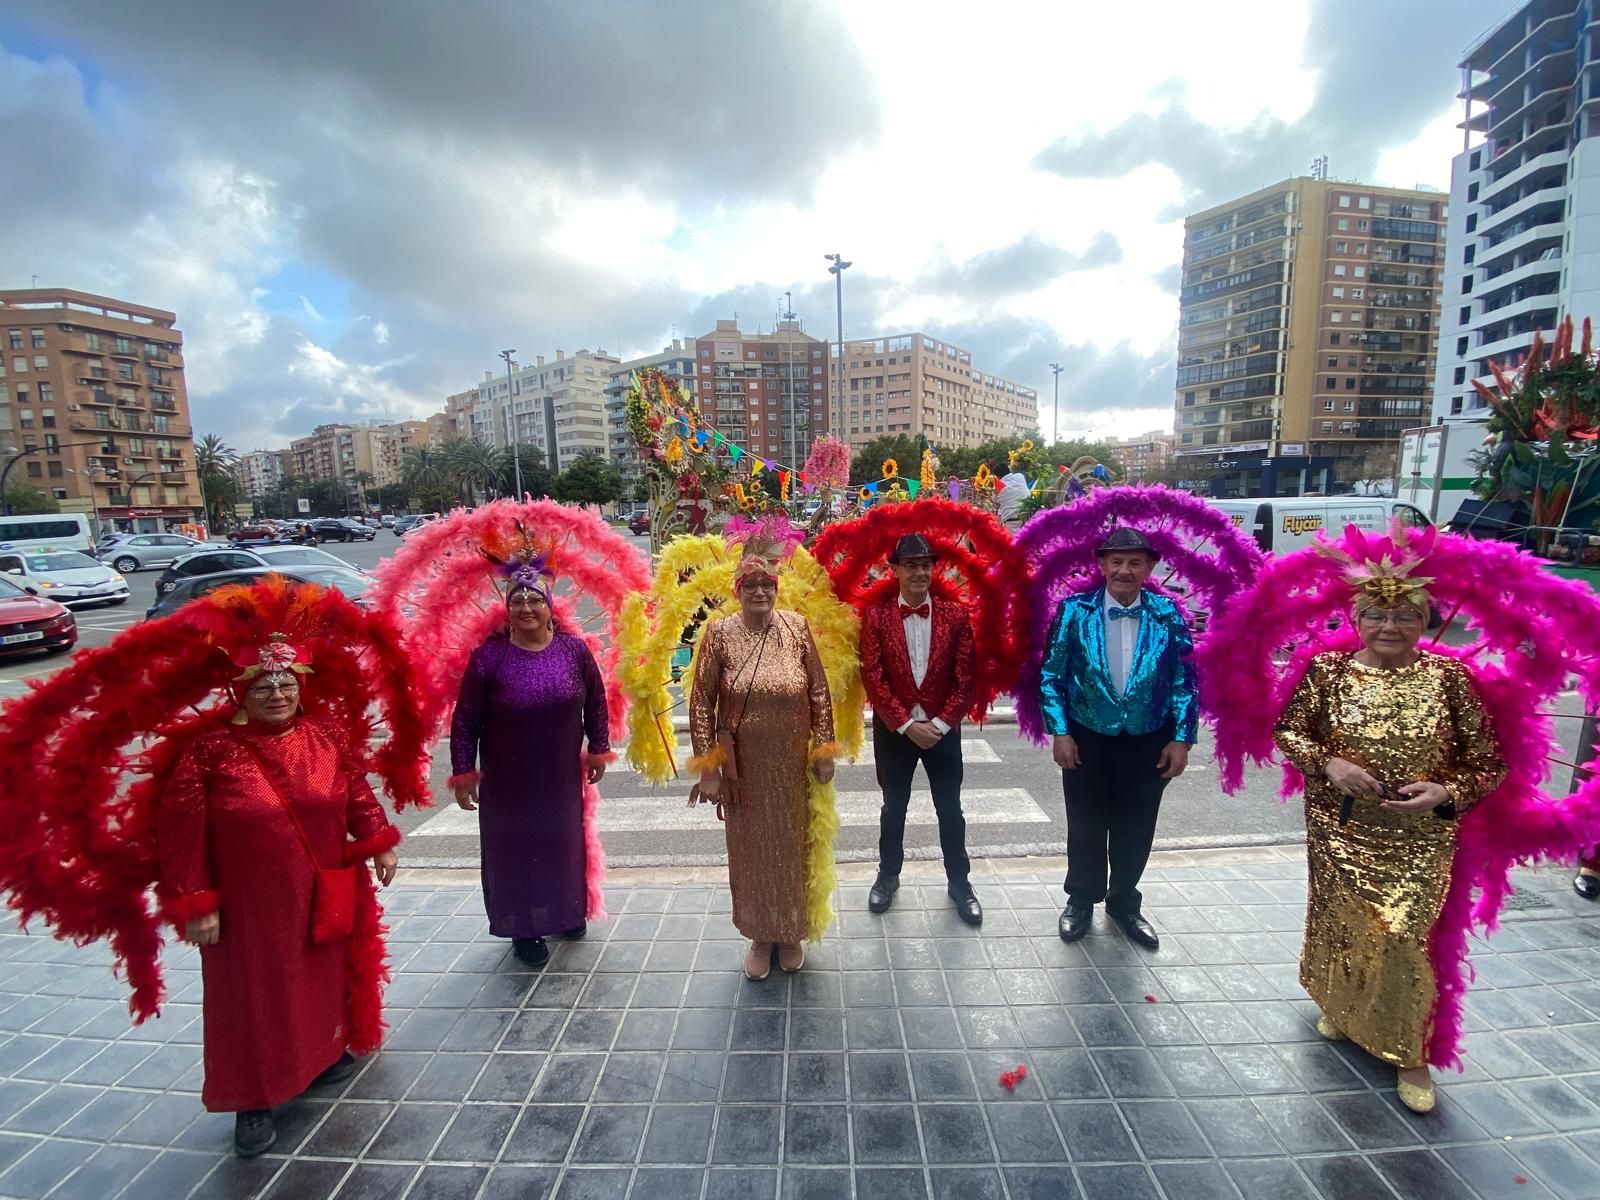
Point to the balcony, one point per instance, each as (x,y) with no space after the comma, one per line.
(152,354)
(122,350)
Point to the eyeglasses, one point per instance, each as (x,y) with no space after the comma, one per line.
(261,691)
(1400,618)
(528,602)
(759,585)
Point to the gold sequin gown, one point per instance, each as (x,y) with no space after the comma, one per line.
(1378,882)
(780,709)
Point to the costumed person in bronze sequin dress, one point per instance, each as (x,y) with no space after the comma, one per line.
(1394,745)
(759,714)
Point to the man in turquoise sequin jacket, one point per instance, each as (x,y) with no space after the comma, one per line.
(1119,700)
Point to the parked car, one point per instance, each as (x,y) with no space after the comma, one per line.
(263,534)
(342,529)
(30,622)
(386,520)
(639,521)
(130,552)
(406,524)
(66,576)
(348,580)
(210,562)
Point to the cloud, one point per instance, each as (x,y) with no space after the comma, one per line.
(1024,266)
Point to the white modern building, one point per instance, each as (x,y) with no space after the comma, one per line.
(676,362)
(1523,238)
(559,406)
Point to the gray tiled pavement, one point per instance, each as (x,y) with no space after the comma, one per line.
(640,1064)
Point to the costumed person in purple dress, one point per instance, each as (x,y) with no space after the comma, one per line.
(529,700)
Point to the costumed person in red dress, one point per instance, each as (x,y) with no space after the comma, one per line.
(916,666)
(252,817)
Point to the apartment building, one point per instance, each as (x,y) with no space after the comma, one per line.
(261,471)
(768,392)
(389,442)
(559,406)
(337,452)
(1146,456)
(676,361)
(93,407)
(914,383)
(1307,332)
(1523,238)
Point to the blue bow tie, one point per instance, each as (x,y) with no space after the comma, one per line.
(1117,613)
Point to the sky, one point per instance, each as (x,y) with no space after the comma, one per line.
(354,207)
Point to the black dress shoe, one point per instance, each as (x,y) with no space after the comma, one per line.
(576,932)
(344,1067)
(882,894)
(1139,930)
(1587,886)
(532,951)
(1074,923)
(967,906)
(253,1132)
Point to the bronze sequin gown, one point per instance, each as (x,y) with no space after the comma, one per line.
(774,697)
(1377,883)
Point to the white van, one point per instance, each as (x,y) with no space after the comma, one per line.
(1280,524)
(37,530)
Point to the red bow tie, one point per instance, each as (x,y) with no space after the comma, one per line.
(921,610)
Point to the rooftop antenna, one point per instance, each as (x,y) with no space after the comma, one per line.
(1319,167)
(788,306)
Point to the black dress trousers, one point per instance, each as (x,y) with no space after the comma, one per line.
(1112,800)
(897,757)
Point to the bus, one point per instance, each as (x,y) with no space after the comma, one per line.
(47,529)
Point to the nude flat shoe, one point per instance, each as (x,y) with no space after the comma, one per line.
(792,957)
(1329,1030)
(758,961)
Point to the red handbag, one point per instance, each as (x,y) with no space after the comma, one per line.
(333,889)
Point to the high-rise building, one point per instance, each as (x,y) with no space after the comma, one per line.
(93,409)
(1307,324)
(1523,245)
(389,442)
(1146,456)
(335,452)
(676,361)
(914,383)
(261,471)
(559,407)
(766,392)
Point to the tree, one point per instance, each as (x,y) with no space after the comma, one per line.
(434,497)
(214,461)
(390,497)
(867,463)
(589,480)
(363,480)
(472,466)
(421,467)
(1371,469)
(23,499)
(536,477)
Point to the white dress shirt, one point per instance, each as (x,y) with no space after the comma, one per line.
(919,638)
(1122,636)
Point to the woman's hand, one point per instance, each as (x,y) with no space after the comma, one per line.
(386,863)
(1351,780)
(597,770)
(467,794)
(823,770)
(709,790)
(1419,797)
(203,931)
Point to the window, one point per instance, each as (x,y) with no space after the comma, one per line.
(92,341)
(38,338)
(1461,347)
(1344,224)
(1361,247)
(1466,315)
(41,362)
(1338,317)
(1327,406)
(1344,201)
(1466,284)
(1340,247)
(1333,362)
(1332,384)
(19,364)
(1327,427)
(1364,202)
(47,393)
(1338,270)
(55,469)
(1460,376)
(1350,361)
(1358,294)
(1349,384)
(1349,406)
(1360,272)
(1333,339)
(1361,226)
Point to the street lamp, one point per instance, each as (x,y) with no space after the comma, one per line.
(516,444)
(1055,425)
(837,270)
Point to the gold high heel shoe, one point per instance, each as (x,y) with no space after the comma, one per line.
(1417,1099)
(1329,1030)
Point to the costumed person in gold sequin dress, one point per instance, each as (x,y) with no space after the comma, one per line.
(1394,745)
(759,714)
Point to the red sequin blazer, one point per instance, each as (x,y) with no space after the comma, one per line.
(947,688)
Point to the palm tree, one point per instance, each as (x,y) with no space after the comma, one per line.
(474,467)
(213,456)
(214,461)
(363,480)
(421,467)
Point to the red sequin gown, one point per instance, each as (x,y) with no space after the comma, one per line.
(278,1010)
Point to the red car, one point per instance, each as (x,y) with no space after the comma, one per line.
(29,622)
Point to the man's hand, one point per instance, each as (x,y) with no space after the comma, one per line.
(823,770)
(1350,780)
(1064,749)
(203,931)
(1419,797)
(1174,758)
(597,770)
(386,863)
(467,794)
(925,734)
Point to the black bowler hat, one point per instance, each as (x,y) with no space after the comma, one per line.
(1123,538)
(912,545)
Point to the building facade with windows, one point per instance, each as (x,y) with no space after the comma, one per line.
(1307,337)
(559,406)
(676,361)
(261,471)
(1523,244)
(768,392)
(93,407)
(1146,456)
(915,383)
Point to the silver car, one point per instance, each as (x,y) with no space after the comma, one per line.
(130,552)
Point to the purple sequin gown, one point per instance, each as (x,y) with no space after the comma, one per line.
(523,716)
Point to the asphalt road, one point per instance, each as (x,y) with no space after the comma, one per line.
(1012,791)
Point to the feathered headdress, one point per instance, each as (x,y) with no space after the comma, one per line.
(1381,568)
(86,753)
(764,545)
(522,561)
